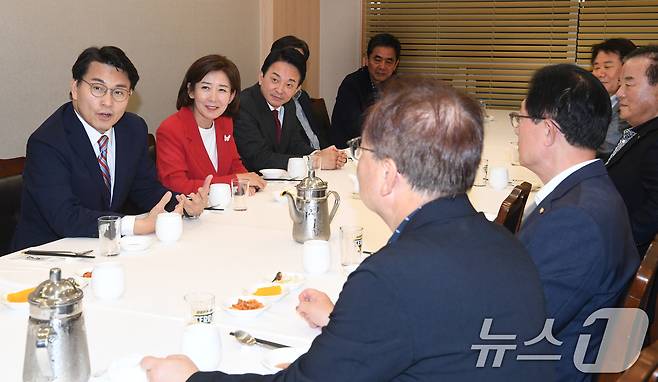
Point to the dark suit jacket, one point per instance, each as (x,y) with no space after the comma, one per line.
(355,94)
(580,239)
(634,170)
(412,311)
(183,162)
(314,120)
(63,190)
(255,133)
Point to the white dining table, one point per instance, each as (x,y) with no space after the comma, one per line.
(222,252)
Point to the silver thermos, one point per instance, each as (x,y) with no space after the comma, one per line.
(56,348)
(309,209)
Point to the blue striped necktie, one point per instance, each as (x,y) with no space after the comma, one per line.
(102,161)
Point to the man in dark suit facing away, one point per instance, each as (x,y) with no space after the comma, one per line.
(578,234)
(416,310)
(90,157)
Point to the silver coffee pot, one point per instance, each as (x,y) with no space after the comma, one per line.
(56,347)
(308,209)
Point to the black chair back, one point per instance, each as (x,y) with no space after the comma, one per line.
(319,109)
(11,186)
(151,146)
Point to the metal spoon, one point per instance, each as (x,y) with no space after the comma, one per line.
(247,339)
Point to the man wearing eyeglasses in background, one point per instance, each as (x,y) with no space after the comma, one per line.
(90,157)
(360,89)
(578,234)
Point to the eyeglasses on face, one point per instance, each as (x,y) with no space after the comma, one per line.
(356,150)
(515,119)
(99,90)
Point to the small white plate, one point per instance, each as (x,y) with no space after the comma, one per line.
(227,305)
(279,359)
(252,290)
(135,243)
(274,173)
(290,280)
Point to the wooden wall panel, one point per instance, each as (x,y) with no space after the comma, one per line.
(302,19)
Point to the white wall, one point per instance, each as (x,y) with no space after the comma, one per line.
(40,41)
(340,45)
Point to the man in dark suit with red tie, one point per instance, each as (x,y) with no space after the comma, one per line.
(267,131)
(90,157)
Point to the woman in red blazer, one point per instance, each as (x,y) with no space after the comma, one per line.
(198,139)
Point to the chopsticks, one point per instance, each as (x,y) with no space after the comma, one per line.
(60,253)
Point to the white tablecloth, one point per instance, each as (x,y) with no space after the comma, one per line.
(222,253)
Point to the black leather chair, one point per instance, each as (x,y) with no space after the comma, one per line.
(11,185)
(319,109)
(151,144)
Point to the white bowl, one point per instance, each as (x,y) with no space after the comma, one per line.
(274,173)
(274,359)
(252,290)
(290,280)
(135,243)
(227,305)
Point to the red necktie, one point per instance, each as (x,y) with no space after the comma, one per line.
(277,132)
(102,161)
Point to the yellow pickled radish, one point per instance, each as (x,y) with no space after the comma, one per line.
(268,291)
(20,296)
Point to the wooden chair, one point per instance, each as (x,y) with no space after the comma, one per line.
(11,186)
(511,211)
(151,145)
(645,369)
(319,109)
(638,296)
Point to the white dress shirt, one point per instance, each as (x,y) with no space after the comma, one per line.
(281,111)
(557,179)
(127,222)
(210,143)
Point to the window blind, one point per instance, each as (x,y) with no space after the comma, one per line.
(599,20)
(490,48)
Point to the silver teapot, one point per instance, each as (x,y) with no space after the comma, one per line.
(56,347)
(308,209)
